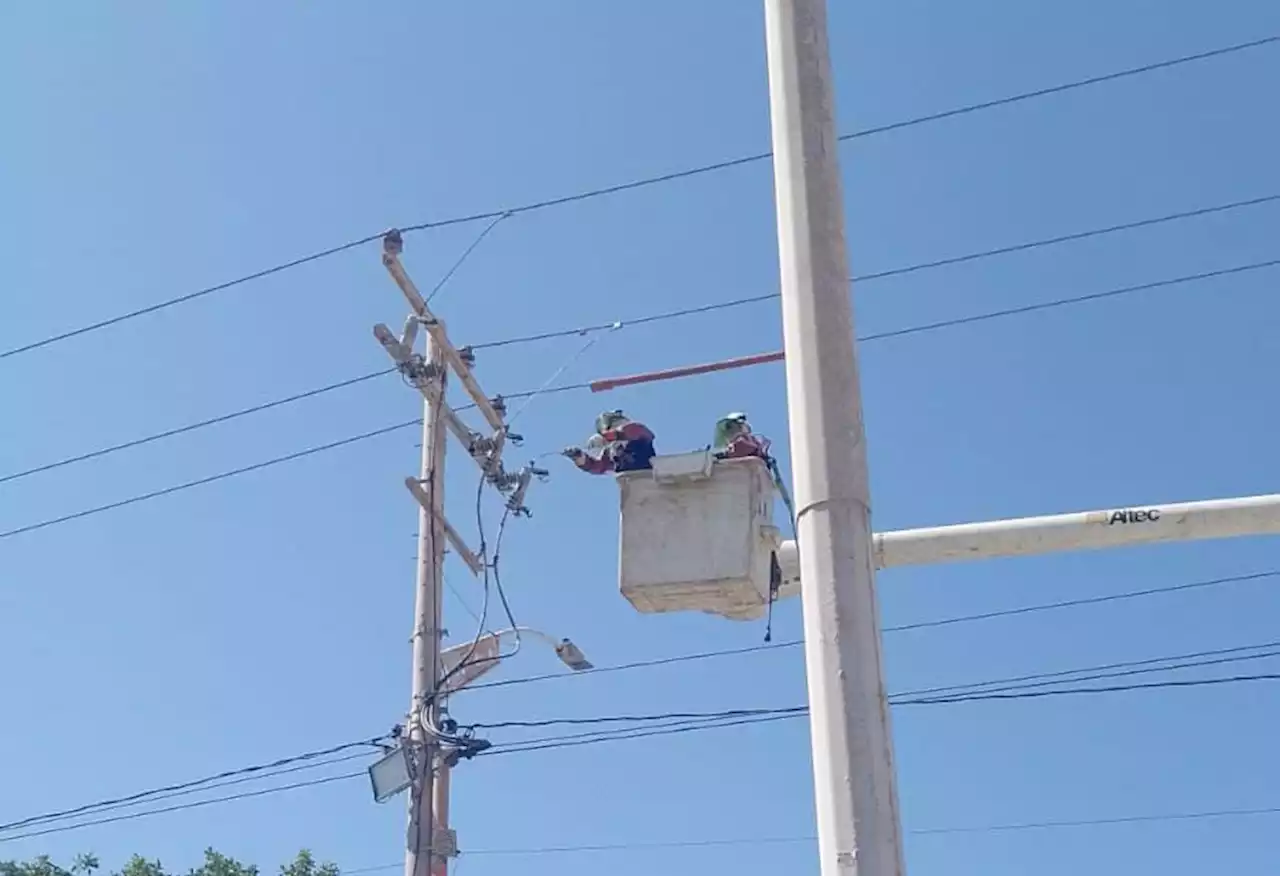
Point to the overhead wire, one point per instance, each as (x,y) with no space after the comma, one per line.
(1193,660)
(919,625)
(753,841)
(1028,682)
(680,727)
(201,789)
(183,807)
(668,724)
(645,182)
(251,770)
(595,329)
(928,327)
(199,482)
(192,427)
(466,253)
(1085,600)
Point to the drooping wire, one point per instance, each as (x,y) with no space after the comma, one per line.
(568,363)
(453,269)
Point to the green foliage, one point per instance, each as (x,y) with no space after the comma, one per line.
(215,864)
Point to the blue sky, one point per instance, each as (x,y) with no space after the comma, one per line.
(151,150)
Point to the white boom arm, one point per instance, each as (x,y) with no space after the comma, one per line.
(1085,530)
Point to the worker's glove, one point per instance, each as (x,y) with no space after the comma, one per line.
(572,452)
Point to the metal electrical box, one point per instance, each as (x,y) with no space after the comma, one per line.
(697,534)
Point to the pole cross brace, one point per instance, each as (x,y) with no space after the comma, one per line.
(468,556)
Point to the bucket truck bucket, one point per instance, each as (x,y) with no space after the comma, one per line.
(697,534)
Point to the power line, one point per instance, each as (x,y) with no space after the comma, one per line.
(182,807)
(191,427)
(618,719)
(678,723)
(645,182)
(1072,300)
(177,488)
(213,785)
(1098,822)
(866,132)
(684,726)
(746,842)
(183,299)
(928,327)
(1101,689)
(1071,237)
(1194,660)
(142,796)
(661,317)
(948,621)
(1087,600)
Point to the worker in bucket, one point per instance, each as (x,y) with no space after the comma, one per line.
(625,445)
(735,440)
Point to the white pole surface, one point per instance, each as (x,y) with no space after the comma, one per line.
(427,633)
(1057,533)
(859,833)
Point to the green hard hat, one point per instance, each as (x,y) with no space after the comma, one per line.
(608,418)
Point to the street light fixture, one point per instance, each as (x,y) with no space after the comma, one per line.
(484,654)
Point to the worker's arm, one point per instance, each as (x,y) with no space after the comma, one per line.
(588,463)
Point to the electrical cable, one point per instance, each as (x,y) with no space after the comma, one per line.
(1103,689)
(649,181)
(554,743)
(866,132)
(182,807)
(252,770)
(676,723)
(626,734)
(875,337)
(453,269)
(595,329)
(199,482)
(746,842)
(618,719)
(1069,301)
(568,363)
(1194,660)
(483,553)
(199,424)
(213,785)
(961,619)
(1083,601)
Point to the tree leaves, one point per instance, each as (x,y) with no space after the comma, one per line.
(215,864)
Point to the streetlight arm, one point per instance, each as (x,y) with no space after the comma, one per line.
(484,654)
(1085,530)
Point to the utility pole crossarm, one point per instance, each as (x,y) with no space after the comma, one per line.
(391,259)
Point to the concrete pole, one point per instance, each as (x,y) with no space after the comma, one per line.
(418,859)
(859,832)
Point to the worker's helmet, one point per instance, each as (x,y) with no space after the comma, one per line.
(728,427)
(609,420)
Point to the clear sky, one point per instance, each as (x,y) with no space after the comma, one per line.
(154,149)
